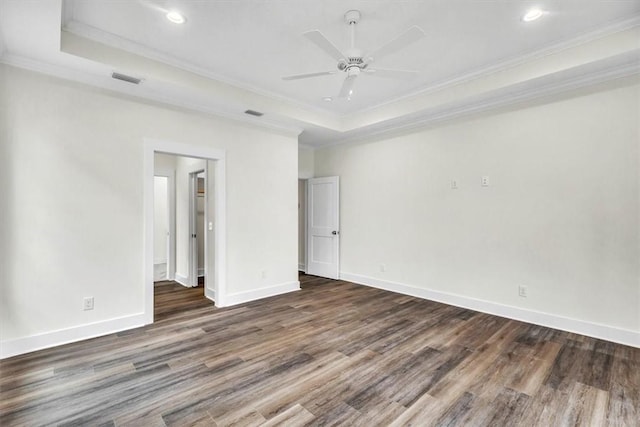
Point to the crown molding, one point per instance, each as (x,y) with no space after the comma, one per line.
(625,65)
(550,49)
(143,92)
(579,77)
(97,35)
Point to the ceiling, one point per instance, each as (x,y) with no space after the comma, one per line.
(241,49)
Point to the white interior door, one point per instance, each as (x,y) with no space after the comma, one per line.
(323,227)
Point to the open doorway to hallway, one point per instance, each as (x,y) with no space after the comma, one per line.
(179,233)
(182,160)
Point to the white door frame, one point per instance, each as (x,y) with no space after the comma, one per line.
(171,201)
(193,224)
(152,146)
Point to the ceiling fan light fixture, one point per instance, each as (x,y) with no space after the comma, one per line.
(532,15)
(353,71)
(176,17)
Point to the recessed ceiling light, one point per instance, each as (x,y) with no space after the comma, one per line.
(532,15)
(176,17)
(327,99)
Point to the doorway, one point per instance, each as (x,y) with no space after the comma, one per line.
(214,235)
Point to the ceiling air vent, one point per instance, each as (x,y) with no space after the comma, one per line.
(125,78)
(254,113)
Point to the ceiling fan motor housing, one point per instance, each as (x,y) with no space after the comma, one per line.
(354,58)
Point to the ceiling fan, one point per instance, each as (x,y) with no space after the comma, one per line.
(354,62)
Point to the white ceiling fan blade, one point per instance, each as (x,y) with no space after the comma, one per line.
(347,87)
(306,76)
(412,35)
(323,43)
(393,74)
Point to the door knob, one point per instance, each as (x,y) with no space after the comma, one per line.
(335,232)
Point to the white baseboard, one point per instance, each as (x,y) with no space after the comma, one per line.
(24,345)
(595,330)
(254,294)
(302,267)
(210,294)
(183,280)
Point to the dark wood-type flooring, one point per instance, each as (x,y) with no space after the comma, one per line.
(334,353)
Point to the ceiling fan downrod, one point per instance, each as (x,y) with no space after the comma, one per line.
(353,61)
(352,17)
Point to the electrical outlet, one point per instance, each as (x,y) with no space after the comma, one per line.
(485,181)
(522,291)
(383,268)
(454,184)
(263,274)
(87,303)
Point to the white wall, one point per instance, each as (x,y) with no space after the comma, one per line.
(305,162)
(165,167)
(561,214)
(164,162)
(72,203)
(160,219)
(184,166)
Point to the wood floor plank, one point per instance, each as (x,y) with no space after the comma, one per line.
(295,416)
(334,353)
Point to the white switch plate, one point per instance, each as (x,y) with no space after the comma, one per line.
(485,181)
(87,304)
(210,226)
(383,268)
(522,291)
(454,184)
